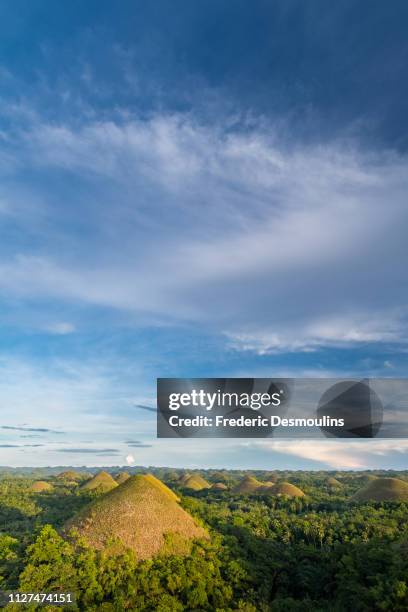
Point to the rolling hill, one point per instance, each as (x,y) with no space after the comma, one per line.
(101,482)
(41,486)
(183,478)
(70,475)
(219,486)
(383,489)
(249,484)
(333,483)
(143,515)
(162,487)
(196,483)
(287,489)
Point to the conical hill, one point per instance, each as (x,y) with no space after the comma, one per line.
(288,489)
(383,489)
(141,515)
(70,475)
(249,484)
(196,482)
(41,486)
(101,482)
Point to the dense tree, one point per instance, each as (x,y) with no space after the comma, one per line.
(321,552)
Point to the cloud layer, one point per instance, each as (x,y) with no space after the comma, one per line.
(279,246)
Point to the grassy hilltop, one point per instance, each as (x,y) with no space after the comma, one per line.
(140,514)
(102,482)
(383,489)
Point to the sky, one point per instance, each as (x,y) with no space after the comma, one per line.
(196,189)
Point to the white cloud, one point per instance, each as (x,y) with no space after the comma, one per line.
(338,454)
(337,331)
(68,395)
(280,247)
(130,459)
(61,328)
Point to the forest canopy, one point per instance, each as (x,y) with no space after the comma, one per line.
(325,548)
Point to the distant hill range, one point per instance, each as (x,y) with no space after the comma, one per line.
(73,476)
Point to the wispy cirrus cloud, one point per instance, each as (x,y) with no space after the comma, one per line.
(266,240)
(139,445)
(61,328)
(89,451)
(36,429)
(262,229)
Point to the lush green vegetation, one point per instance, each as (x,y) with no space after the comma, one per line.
(324,551)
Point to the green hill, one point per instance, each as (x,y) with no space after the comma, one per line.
(287,489)
(102,482)
(249,484)
(196,483)
(122,477)
(383,489)
(141,515)
(40,486)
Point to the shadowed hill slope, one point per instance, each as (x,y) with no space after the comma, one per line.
(184,478)
(122,477)
(142,515)
(383,489)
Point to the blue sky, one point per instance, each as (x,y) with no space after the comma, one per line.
(196,189)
